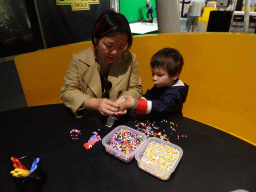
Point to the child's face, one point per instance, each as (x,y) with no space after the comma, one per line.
(161,77)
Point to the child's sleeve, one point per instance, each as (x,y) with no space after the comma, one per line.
(143,105)
(169,102)
(148,95)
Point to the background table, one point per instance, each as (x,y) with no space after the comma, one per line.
(239,17)
(212,160)
(242,13)
(141,28)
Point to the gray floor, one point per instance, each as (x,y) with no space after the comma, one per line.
(11,93)
(202,27)
(236,27)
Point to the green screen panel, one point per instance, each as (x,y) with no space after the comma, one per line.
(135,10)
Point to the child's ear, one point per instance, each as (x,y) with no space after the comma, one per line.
(175,77)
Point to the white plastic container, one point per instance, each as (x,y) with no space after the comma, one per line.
(125,157)
(155,170)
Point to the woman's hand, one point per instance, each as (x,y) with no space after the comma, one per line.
(107,107)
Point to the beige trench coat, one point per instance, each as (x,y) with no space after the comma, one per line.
(83,82)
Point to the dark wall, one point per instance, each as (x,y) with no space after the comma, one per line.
(16,36)
(35,27)
(29,25)
(63,26)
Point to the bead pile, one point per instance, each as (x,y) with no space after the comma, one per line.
(125,141)
(173,128)
(75,133)
(149,129)
(160,155)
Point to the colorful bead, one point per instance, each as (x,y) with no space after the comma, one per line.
(75,133)
(160,155)
(94,139)
(125,141)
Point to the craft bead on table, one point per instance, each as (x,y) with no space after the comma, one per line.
(94,139)
(75,134)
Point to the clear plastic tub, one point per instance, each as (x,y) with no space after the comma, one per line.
(125,157)
(156,170)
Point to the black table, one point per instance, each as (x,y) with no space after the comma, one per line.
(212,160)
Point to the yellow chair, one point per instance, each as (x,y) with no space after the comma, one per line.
(42,72)
(206,13)
(219,68)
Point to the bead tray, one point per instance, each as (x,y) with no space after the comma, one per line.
(154,170)
(125,157)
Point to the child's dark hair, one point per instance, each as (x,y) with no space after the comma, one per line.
(169,58)
(111,23)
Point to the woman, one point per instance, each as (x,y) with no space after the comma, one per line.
(98,76)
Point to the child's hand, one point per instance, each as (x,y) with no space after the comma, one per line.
(129,102)
(125,103)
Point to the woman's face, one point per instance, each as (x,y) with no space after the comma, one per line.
(109,48)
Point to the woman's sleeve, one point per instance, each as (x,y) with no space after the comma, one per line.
(71,93)
(134,87)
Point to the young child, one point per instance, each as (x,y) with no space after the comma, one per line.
(169,93)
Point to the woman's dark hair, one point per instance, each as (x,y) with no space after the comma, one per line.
(169,58)
(111,23)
